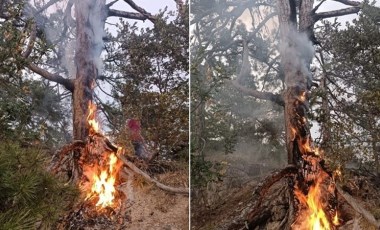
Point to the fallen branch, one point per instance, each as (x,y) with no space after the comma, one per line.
(138,171)
(358,207)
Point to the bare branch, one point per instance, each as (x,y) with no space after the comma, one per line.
(69,21)
(67,83)
(142,11)
(317,6)
(336,13)
(246,65)
(47,5)
(32,39)
(124,14)
(244,72)
(111,3)
(349,3)
(276,98)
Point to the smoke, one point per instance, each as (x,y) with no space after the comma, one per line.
(95,14)
(59,30)
(297,52)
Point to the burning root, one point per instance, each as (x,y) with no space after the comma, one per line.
(66,157)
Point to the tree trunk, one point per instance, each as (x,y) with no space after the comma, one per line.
(90,18)
(295,62)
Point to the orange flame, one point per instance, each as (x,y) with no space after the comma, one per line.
(315,218)
(103,184)
(102,178)
(336,219)
(303,96)
(94,125)
(306,148)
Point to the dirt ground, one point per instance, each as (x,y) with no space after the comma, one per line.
(148,207)
(144,206)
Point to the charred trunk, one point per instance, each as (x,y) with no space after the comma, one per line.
(90,18)
(295,62)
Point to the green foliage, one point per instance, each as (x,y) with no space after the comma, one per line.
(223,119)
(32,112)
(30,197)
(203,171)
(152,83)
(353,88)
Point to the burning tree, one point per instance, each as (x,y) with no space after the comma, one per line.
(67,37)
(286,54)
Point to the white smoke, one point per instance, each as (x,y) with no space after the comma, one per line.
(96,19)
(297,51)
(54,30)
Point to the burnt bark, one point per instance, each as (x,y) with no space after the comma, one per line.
(87,52)
(296,76)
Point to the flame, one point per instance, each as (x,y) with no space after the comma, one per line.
(103,175)
(315,217)
(337,173)
(317,152)
(94,125)
(103,184)
(306,148)
(303,96)
(336,219)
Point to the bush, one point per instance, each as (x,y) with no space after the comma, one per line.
(30,197)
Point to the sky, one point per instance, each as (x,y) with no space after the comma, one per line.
(150,6)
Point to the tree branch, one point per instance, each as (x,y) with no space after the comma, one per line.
(32,39)
(124,14)
(142,11)
(111,3)
(47,5)
(67,83)
(317,6)
(358,207)
(138,171)
(336,13)
(349,3)
(276,98)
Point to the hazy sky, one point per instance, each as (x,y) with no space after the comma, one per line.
(150,6)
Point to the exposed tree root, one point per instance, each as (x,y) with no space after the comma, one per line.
(265,185)
(70,163)
(266,204)
(358,207)
(138,171)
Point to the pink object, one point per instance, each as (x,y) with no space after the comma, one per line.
(137,140)
(135,130)
(134,124)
